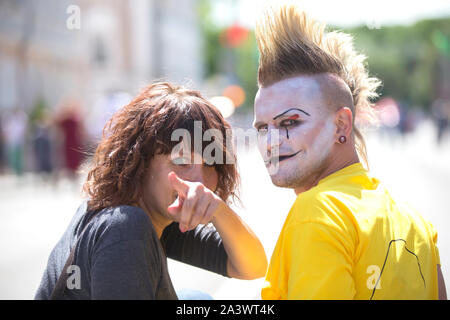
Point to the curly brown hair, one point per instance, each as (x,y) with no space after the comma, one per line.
(143,129)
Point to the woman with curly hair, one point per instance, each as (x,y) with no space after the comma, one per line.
(146,203)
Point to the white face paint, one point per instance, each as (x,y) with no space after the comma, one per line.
(305,128)
(321,146)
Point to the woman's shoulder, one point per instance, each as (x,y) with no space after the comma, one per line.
(120,223)
(123,215)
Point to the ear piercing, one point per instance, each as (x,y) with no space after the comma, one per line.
(342,139)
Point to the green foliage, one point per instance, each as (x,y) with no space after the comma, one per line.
(247,68)
(407,58)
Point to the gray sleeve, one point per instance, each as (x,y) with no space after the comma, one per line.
(124,270)
(201,247)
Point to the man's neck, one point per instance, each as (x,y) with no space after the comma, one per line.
(335,165)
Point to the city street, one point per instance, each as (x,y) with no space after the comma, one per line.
(33,215)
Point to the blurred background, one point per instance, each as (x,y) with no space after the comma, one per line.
(66,66)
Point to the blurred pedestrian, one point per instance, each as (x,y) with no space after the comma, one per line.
(441,114)
(344,237)
(41,141)
(2,147)
(406,124)
(14,131)
(70,123)
(42,149)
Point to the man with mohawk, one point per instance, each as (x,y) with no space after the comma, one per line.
(344,237)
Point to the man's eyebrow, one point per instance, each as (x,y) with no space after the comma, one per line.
(277,116)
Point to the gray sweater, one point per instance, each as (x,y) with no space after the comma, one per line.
(119,255)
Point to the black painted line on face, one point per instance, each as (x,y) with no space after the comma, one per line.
(283,113)
(279,115)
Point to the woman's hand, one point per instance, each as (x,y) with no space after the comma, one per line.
(196,204)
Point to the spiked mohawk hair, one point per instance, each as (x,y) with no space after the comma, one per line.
(292,44)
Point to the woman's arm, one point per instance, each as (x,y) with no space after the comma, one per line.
(246,256)
(197,204)
(201,247)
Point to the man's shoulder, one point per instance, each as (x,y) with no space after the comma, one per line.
(324,206)
(314,199)
(409,214)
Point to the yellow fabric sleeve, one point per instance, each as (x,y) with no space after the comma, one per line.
(319,260)
(435,238)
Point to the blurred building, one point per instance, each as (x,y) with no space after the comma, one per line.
(51,49)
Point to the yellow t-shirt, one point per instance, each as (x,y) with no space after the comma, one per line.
(346,238)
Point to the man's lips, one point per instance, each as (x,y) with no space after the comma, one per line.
(282,157)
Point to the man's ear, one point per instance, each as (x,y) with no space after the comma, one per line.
(344,123)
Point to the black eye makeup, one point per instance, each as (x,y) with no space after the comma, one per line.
(286,122)
(289,122)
